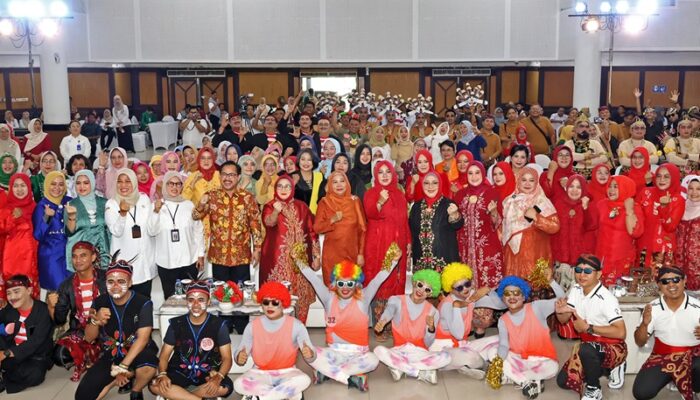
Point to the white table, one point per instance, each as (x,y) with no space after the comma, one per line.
(175,307)
(163,134)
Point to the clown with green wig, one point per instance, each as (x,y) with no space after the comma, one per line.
(346,302)
(526,355)
(455,324)
(413,320)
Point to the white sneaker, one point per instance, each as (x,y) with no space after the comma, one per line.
(473,373)
(617,376)
(592,393)
(396,374)
(672,386)
(428,376)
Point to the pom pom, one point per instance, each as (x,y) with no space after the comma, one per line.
(454,272)
(538,278)
(298,253)
(494,375)
(391,253)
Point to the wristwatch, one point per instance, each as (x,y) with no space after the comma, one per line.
(590,329)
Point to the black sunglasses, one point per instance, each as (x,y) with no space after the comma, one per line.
(586,271)
(666,281)
(465,285)
(268,302)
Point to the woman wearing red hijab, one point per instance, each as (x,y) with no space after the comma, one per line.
(424,164)
(640,169)
(503,181)
(144,177)
(386,209)
(598,186)
(577,223)
(620,222)
(20,253)
(663,208)
(287,222)
(521,139)
(560,169)
(462,159)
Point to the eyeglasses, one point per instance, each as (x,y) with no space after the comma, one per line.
(284,187)
(175,184)
(269,302)
(586,271)
(666,281)
(231,175)
(512,293)
(465,285)
(426,288)
(348,284)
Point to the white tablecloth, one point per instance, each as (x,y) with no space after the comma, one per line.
(163,134)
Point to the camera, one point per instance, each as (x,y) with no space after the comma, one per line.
(243,102)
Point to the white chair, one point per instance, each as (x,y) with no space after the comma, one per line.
(618,170)
(537,168)
(542,160)
(168,118)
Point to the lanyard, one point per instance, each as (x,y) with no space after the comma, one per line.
(195,336)
(134,215)
(121,338)
(172,215)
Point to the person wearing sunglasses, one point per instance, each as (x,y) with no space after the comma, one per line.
(201,371)
(673,320)
(272,340)
(413,320)
(525,349)
(458,318)
(598,320)
(346,304)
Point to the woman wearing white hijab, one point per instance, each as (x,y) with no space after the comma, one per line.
(37,142)
(122,124)
(8,144)
(126,216)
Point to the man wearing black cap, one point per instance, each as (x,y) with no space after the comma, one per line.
(25,337)
(598,320)
(200,347)
(123,319)
(674,320)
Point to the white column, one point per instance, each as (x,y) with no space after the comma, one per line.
(587,70)
(54,81)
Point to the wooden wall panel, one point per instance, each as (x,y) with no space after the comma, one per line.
(89,89)
(691,89)
(445,91)
(122,86)
(184,91)
(3,102)
(510,86)
(493,85)
(20,87)
(264,84)
(532,86)
(558,88)
(148,88)
(397,82)
(166,96)
(230,100)
(428,86)
(667,78)
(623,84)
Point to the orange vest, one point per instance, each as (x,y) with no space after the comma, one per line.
(274,350)
(442,333)
(411,331)
(529,338)
(349,323)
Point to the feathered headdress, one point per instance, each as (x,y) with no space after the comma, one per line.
(470,96)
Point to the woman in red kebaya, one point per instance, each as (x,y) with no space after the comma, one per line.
(598,186)
(577,223)
(560,169)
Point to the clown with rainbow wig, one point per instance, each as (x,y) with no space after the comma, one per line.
(456,317)
(413,321)
(346,302)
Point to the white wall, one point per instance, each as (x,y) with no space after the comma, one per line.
(365,32)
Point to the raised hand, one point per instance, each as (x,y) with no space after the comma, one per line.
(52,299)
(430,321)
(585,200)
(157,205)
(337,217)
(452,209)
(278,206)
(675,94)
(637,93)
(17,212)
(71,210)
(204,200)
(124,206)
(48,211)
(379,326)
(646,315)
(102,316)
(383,196)
(561,306)
(242,357)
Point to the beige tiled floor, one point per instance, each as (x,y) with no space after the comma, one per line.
(450,386)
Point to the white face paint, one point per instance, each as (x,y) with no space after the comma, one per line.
(118,284)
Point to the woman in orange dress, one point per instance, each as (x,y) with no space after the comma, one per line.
(529,218)
(340,217)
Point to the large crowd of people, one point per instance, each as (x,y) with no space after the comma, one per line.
(492,218)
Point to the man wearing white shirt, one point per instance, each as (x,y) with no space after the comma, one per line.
(558,118)
(674,320)
(193,129)
(75,143)
(598,320)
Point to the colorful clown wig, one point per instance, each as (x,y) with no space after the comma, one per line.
(429,277)
(276,291)
(347,270)
(454,272)
(513,280)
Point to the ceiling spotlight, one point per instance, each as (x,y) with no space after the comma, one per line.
(580,7)
(6,27)
(58,9)
(48,27)
(590,24)
(35,9)
(605,7)
(18,9)
(622,6)
(647,7)
(634,23)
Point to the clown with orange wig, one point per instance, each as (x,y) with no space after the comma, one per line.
(273,341)
(346,302)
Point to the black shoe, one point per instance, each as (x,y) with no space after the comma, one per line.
(127,388)
(136,396)
(2,385)
(532,389)
(358,382)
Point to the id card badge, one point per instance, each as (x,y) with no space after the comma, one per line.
(174,235)
(136,232)
(80,147)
